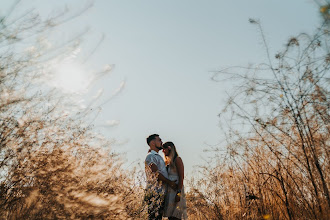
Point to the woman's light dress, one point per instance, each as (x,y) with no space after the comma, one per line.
(172,208)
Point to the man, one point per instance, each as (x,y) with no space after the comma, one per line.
(157,178)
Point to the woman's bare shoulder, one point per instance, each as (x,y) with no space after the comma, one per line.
(178,160)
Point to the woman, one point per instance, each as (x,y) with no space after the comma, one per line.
(175,201)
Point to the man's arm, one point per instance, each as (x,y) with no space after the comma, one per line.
(160,177)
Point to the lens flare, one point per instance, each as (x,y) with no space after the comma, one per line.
(71,78)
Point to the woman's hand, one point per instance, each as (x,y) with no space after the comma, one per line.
(177,198)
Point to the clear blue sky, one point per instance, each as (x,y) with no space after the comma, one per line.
(165,51)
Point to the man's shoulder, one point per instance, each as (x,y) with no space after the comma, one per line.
(152,157)
(149,155)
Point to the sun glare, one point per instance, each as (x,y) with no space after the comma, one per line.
(70,77)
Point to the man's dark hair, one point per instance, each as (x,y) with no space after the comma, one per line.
(151,137)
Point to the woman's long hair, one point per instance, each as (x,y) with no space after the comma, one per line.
(170,159)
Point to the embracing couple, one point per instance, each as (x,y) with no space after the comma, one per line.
(165,192)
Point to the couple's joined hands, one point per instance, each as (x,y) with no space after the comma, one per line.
(173,185)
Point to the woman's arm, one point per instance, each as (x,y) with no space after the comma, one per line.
(180,170)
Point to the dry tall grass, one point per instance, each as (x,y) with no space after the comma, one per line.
(277,163)
(52,164)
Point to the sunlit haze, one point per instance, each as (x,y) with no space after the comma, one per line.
(166,51)
(70,77)
(237,91)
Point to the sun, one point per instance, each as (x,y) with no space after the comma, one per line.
(70,77)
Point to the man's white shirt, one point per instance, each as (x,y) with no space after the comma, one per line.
(154,158)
